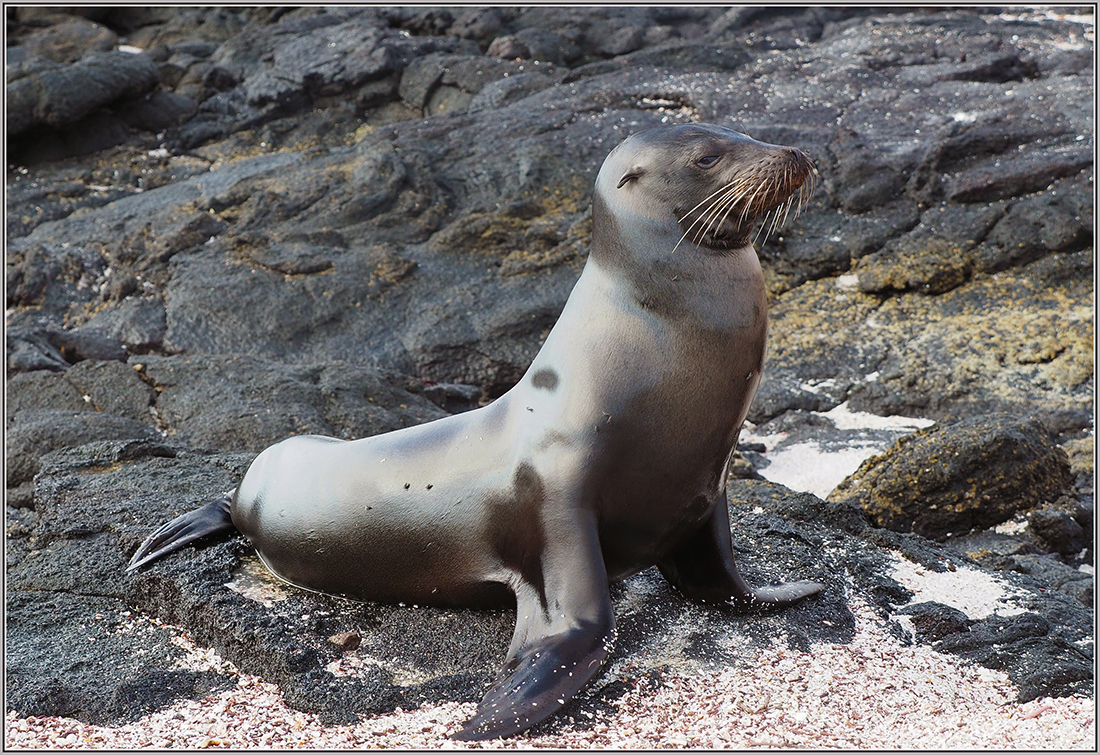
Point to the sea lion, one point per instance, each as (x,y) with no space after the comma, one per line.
(609,455)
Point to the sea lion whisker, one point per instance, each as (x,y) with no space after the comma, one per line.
(767,227)
(781,212)
(703,201)
(781,219)
(777,219)
(806,191)
(749,204)
(774,212)
(705,213)
(756,234)
(700,218)
(745,202)
(739,199)
(727,200)
(684,236)
(729,209)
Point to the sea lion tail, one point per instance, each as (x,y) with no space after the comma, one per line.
(184,529)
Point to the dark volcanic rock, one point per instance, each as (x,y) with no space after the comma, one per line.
(934,621)
(51,348)
(1059,531)
(157,110)
(238,403)
(96,503)
(49,276)
(43,389)
(1025,640)
(970,475)
(113,387)
(54,95)
(1051,570)
(32,433)
(122,671)
(338,219)
(69,40)
(139,324)
(73,646)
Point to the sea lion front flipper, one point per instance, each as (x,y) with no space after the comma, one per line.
(563,634)
(703,568)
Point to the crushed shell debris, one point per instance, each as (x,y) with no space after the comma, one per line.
(869,693)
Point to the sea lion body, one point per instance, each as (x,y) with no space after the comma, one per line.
(609,456)
(437,508)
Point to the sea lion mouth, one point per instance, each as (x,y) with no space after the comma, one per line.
(781,180)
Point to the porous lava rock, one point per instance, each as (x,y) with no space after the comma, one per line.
(956,478)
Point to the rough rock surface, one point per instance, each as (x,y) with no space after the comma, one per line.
(956,478)
(268,221)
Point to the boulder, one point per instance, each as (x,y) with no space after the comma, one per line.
(952,479)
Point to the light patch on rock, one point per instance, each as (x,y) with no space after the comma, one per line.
(973,592)
(1010,528)
(1032,13)
(809,468)
(816,386)
(252,580)
(352,664)
(816,467)
(906,697)
(844,418)
(637,594)
(199,658)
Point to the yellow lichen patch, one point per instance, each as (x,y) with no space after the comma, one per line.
(797,318)
(1081,453)
(953,478)
(391,268)
(240,146)
(541,232)
(925,265)
(1007,337)
(480,232)
(360,134)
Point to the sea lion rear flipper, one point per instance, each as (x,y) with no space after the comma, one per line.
(184,529)
(563,634)
(703,568)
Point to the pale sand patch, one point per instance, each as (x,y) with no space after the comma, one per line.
(974,592)
(870,693)
(844,418)
(813,467)
(809,468)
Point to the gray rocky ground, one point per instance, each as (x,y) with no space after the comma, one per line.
(226,226)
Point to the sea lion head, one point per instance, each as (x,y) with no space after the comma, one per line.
(712,182)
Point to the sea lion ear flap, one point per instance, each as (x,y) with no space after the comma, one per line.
(634,174)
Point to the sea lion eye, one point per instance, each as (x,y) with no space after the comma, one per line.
(708,161)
